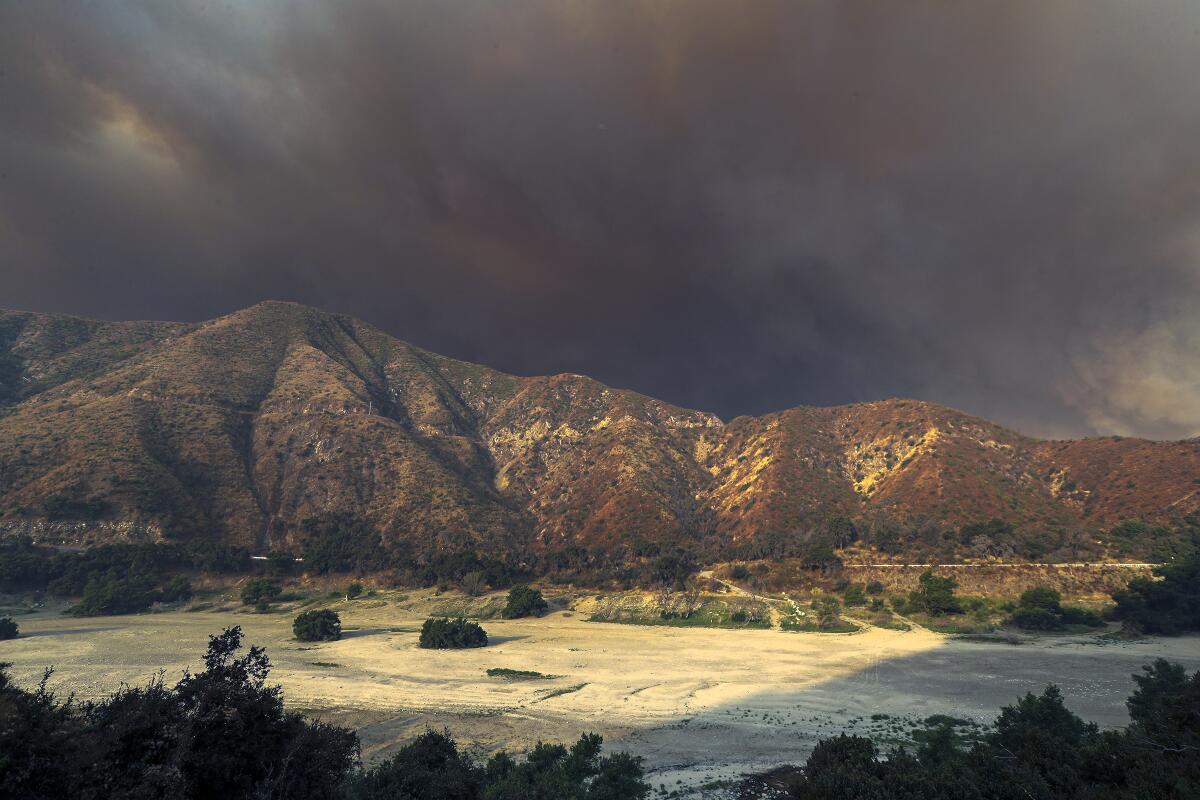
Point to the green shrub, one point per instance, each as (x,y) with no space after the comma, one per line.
(176,590)
(828,612)
(8,628)
(854,595)
(441,633)
(354,590)
(260,590)
(1036,619)
(109,594)
(1168,606)
(1073,615)
(935,595)
(524,602)
(1041,609)
(321,625)
(1042,597)
(874,587)
(738,572)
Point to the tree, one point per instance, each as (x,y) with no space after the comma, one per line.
(1168,606)
(578,773)
(342,542)
(828,611)
(433,768)
(260,590)
(524,601)
(854,595)
(442,633)
(354,590)
(110,594)
(935,595)
(672,569)
(840,532)
(474,584)
(8,628)
(320,625)
(176,590)
(221,733)
(1043,597)
(429,768)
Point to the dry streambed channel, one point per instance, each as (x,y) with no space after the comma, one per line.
(700,705)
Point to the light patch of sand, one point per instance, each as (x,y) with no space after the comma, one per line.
(696,703)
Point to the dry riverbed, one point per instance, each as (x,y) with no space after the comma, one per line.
(700,705)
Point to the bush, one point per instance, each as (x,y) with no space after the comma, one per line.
(354,590)
(524,602)
(441,633)
(1168,606)
(874,587)
(109,594)
(433,768)
(1036,619)
(738,572)
(854,595)
(8,628)
(1042,597)
(177,590)
(1073,615)
(260,590)
(1041,609)
(828,612)
(935,595)
(320,625)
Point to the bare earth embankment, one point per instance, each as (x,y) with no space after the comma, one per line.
(698,704)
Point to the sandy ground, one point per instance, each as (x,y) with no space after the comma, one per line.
(697,704)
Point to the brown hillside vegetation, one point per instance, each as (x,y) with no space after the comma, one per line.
(241,428)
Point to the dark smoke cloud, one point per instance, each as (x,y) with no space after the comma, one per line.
(737,207)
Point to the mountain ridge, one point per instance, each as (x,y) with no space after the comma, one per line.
(241,428)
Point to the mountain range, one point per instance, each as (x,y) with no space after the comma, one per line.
(241,428)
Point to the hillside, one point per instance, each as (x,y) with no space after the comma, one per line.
(240,429)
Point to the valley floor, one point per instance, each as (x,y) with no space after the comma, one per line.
(700,705)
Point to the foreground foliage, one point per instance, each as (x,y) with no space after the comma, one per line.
(223,734)
(432,768)
(8,628)
(1037,749)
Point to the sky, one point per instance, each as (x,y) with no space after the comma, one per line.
(737,207)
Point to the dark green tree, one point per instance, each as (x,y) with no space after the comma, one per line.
(1169,606)
(260,590)
(524,601)
(318,625)
(935,595)
(442,633)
